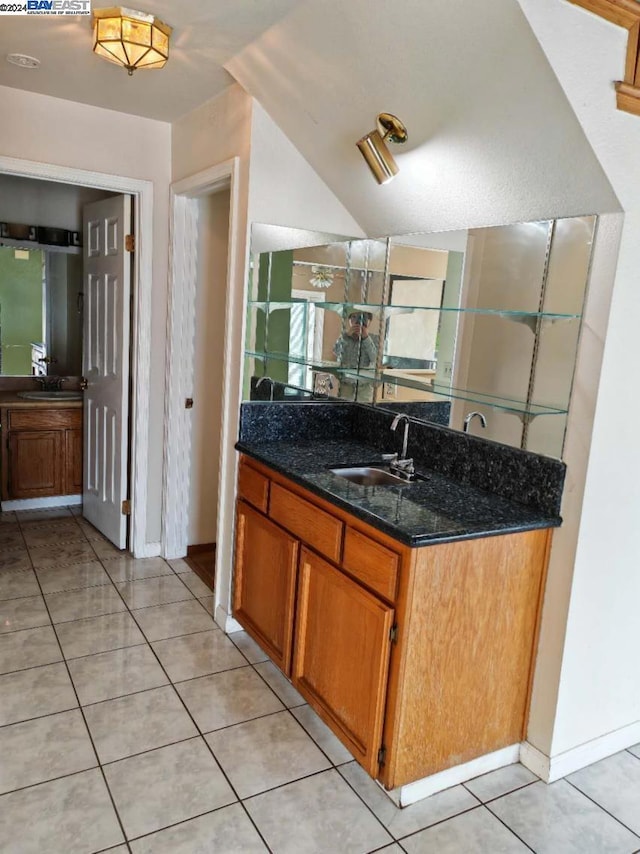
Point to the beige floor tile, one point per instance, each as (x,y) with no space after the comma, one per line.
(614,783)
(128,568)
(35,692)
(40,535)
(44,748)
(248,647)
(113,674)
(15,561)
(401,822)
(264,753)
(227,698)
(165,786)
(55,579)
(106,550)
(99,634)
(280,684)
(138,723)
(207,604)
(179,618)
(500,782)
(478,831)
(227,830)
(316,815)
(558,818)
(66,553)
(146,592)
(83,603)
(73,815)
(322,735)
(195,584)
(28,648)
(180,566)
(11,539)
(45,514)
(197,655)
(14,585)
(26,613)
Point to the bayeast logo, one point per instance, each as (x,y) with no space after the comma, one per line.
(58,7)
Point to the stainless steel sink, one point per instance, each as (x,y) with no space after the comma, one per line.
(370,476)
(50,395)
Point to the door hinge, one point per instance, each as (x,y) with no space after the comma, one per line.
(188,404)
(393,633)
(126,507)
(382,755)
(130,243)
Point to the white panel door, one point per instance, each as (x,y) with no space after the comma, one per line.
(105,365)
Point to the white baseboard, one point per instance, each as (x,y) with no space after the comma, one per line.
(403,796)
(42,503)
(226,621)
(555,767)
(149,550)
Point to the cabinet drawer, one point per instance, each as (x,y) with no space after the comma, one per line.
(376,566)
(253,487)
(44,419)
(313,526)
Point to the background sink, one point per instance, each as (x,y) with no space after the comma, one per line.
(370,476)
(50,395)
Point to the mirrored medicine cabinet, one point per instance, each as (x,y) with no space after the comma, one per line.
(435,325)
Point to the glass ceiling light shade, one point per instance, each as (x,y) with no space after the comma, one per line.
(321,277)
(374,149)
(130,38)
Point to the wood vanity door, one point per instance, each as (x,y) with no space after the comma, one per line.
(36,463)
(265,583)
(342,652)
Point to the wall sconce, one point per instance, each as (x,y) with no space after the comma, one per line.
(130,38)
(374,149)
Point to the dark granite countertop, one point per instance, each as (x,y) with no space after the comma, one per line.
(434,510)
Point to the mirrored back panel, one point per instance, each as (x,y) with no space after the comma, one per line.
(477,330)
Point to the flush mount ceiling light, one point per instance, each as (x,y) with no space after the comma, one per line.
(22,60)
(130,38)
(374,149)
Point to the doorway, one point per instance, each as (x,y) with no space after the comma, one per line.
(204,316)
(142,193)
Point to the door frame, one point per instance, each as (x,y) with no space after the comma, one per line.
(140,335)
(183,257)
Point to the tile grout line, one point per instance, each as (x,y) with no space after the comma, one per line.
(510,829)
(199,731)
(88,731)
(604,809)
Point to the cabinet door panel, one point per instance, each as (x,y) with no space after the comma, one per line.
(73,462)
(35,466)
(265,579)
(342,653)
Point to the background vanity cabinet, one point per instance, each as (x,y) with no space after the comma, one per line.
(41,452)
(418,659)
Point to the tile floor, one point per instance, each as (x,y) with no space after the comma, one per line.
(130,723)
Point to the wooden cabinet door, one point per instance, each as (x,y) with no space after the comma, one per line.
(341,658)
(265,582)
(36,463)
(73,462)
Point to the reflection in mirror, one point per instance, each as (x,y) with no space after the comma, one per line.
(439,326)
(40,312)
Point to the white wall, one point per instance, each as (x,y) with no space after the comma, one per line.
(50,130)
(492,138)
(211,286)
(599,688)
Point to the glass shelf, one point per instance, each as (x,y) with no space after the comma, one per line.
(525,317)
(505,404)
(522,409)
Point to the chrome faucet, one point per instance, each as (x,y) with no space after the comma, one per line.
(402,466)
(470,418)
(271,383)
